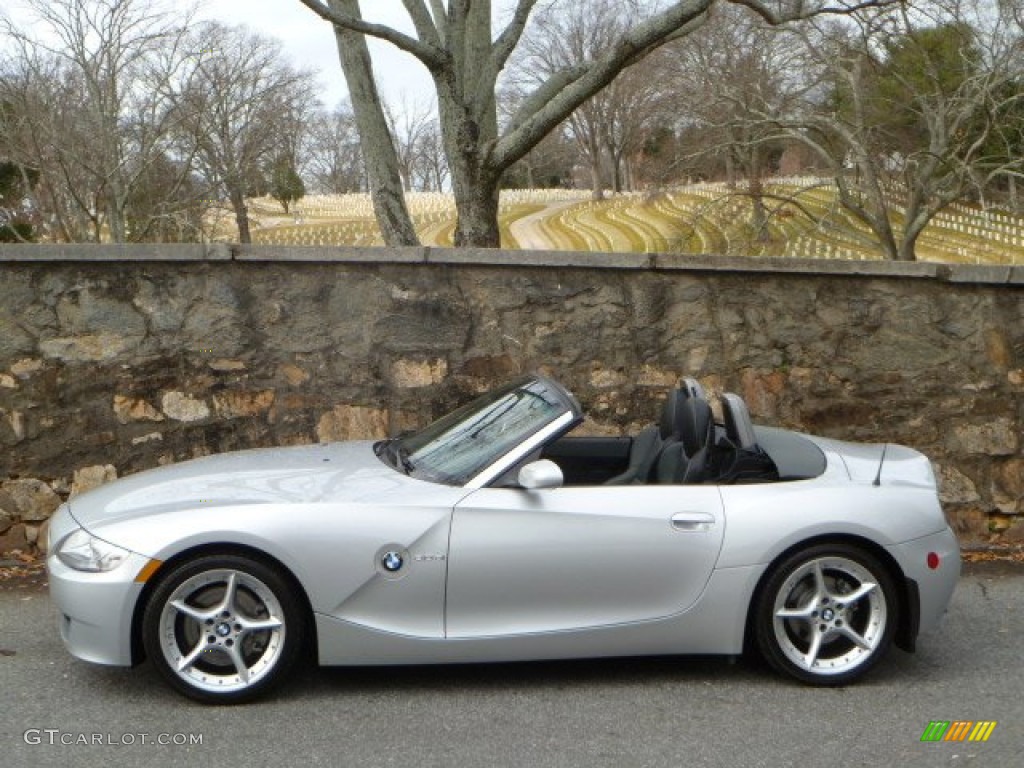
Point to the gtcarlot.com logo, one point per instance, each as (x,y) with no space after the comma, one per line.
(55,736)
(958,730)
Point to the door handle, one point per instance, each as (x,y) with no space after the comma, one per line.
(693,521)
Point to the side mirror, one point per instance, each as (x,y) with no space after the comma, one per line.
(541,474)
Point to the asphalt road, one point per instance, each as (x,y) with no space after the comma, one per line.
(635,712)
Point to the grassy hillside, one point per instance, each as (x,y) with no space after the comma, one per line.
(702,218)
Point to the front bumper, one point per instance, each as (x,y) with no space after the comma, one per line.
(935,585)
(95,609)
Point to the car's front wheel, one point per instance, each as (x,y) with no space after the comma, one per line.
(223,628)
(826,614)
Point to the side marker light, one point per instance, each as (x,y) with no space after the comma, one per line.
(148,570)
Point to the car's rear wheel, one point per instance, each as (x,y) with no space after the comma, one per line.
(827,614)
(223,628)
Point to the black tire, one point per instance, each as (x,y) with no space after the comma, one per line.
(223,629)
(815,640)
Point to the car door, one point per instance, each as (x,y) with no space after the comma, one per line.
(526,561)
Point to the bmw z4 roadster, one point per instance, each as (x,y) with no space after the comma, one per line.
(493,535)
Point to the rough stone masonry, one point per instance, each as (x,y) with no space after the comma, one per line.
(116,359)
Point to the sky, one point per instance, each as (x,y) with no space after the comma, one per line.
(309,42)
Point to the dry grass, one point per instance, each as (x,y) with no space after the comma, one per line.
(695,219)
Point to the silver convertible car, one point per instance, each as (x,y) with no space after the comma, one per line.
(493,535)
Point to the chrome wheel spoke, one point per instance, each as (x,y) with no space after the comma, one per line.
(855,638)
(227,602)
(255,625)
(803,613)
(192,612)
(193,655)
(863,590)
(812,653)
(235,654)
(820,588)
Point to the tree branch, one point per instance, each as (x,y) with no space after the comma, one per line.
(422,21)
(432,56)
(440,20)
(801,10)
(509,38)
(544,93)
(564,91)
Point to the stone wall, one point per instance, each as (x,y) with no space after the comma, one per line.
(113,360)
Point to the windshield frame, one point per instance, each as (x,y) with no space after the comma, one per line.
(405,454)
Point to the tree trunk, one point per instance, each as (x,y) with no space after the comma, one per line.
(917,218)
(467,133)
(887,240)
(758,214)
(379,153)
(115,221)
(616,163)
(730,169)
(907,250)
(241,217)
(476,205)
(755,188)
(596,182)
(596,177)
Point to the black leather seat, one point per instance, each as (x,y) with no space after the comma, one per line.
(647,445)
(686,460)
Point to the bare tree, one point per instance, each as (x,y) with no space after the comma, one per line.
(560,38)
(551,163)
(242,107)
(431,165)
(454,41)
(730,79)
(635,109)
(88,89)
(611,126)
(39,129)
(18,218)
(332,154)
(409,125)
(916,111)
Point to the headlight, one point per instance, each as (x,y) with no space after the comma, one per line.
(84,552)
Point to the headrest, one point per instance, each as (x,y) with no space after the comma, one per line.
(738,427)
(670,415)
(692,388)
(697,425)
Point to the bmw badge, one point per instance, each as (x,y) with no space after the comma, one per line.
(391,561)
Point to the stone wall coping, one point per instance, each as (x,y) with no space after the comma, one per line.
(220,252)
(124,252)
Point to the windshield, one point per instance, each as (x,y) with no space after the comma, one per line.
(458,446)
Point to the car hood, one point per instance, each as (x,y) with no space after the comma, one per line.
(336,472)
